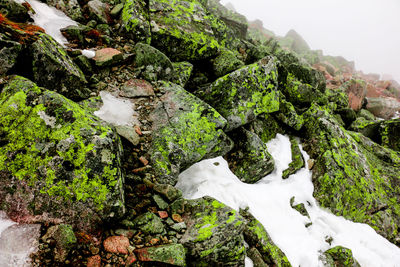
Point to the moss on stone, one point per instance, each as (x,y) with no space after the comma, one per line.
(297,159)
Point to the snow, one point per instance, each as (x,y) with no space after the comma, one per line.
(88,53)
(17,242)
(50,19)
(269,202)
(117,111)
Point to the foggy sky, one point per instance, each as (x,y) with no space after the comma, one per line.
(366,31)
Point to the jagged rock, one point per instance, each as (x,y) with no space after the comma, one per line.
(59,159)
(107,57)
(70,7)
(128,132)
(225,63)
(135,20)
(185,130)
(299,207)
(9,52)
(182,30)
(14,11)
(299,93)
(299,45)
(266,127)
(116,244)
(256,257)
(168,191)
(173,254)
(353,176)
(249,160)
(384,108)
(183,71)
(77,34)
(357,91)
(55,70)
(287,114)
(338,97)
(214,235)
(157,65)
(149,223)
(256,236)
(244,94)
(297,159)
(65,240)
(99,11)
(339,257)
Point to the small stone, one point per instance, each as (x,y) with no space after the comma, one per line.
(172,254)
(116,10)
(107,56)
(177,218)
(179,227)
(170,192)
(178,206)
(116,244)
(94,261)
(163,214)
(137,130)
(130,260)
(128,233)
(137,88)
(311,163)
(160,202)
(144,161)
(128,133)
(149,223)
(154,241)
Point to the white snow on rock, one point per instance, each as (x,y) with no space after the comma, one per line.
(88,53)
(269,202)
(117,111)
(17,242)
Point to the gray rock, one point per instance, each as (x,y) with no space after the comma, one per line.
(149,223)
(129,133)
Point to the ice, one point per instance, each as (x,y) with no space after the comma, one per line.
(117,111)
(269,202)
(17,242)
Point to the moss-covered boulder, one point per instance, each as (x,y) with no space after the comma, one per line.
(136,21)
(55,70)
(384,108)
(154,64)
(9,52)
(249,160)
(353,176)
(339,257)
(182,30)
(14,11)
(244,94)
(226,62)
(287,114)
(185,130)
(183,71)
(173,254)
(266,127)
(214,234)
(297,159)
(257,237)
(56,159)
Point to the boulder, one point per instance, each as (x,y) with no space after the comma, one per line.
(357,91)
(182,30)
(173,254)
(225,63)
(244,94)
(107,57)
(56,159)
(155,64)
(384,108)
(183,71)
(135,20)
(116,244)
(249,160)
(99,11)
(185,131)
(353,176)
(55,70)
(287,114)
(214,236)
(149,223)
(266,127)
(70,7)
(339,257)
(14,11)
(297,159)
(9,52)
(257,237)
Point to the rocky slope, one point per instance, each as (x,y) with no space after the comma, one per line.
(199,83)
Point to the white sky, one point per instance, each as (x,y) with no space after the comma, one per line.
(366,31)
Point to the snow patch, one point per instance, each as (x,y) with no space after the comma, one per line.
(269,202)
(88,53)
(117,111)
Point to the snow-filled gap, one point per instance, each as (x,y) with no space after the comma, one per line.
(269,202)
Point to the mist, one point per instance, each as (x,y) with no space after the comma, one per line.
(364,31)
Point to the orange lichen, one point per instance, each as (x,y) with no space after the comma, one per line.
(21,32)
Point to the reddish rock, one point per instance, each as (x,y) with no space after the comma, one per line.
(130,260)
(144,161)
(177,218)
(107,57)
(163,214)
(137,88)
(94,261)
(357,91)
(116,244)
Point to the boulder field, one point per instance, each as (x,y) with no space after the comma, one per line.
(197,81)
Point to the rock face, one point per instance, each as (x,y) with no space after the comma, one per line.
(384,108)
(59,159)
(55,70)
(356,90)
(244,94)
(353,176)
(9,52)
(214,234)
(186,130)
